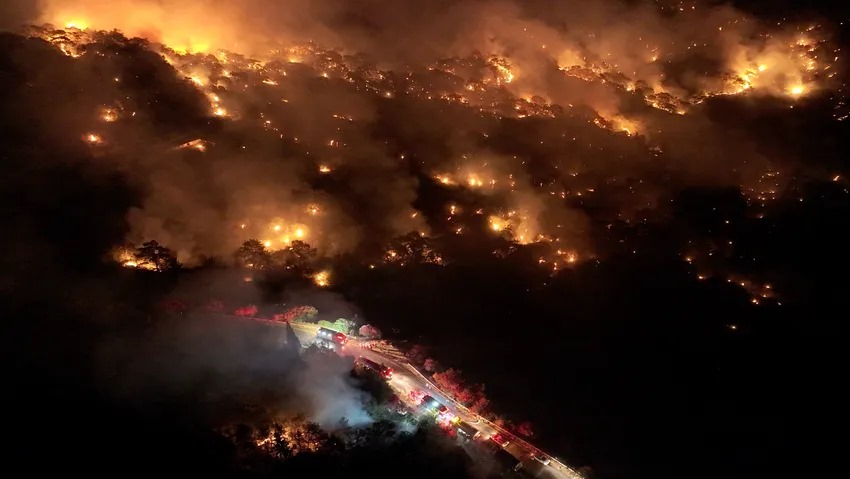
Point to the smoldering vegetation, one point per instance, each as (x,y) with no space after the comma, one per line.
(303,143)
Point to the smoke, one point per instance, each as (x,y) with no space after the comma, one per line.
(331,147)
(212,360)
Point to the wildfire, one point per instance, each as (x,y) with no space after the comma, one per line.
(444,179)
(127,258)
(322,279)
(505,75)
(77,24)
(785,67)
(109,115)
(797,90)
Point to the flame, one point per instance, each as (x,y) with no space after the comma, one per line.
(109,115)
(78,24)
(797,90)
(322,279)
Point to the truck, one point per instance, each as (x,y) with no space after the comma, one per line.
(331,335)
(433,405)
(465,430)
(385,371)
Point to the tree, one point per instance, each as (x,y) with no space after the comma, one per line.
(430,365)
(479,406)
(411,248)
(253,254)
(449,381)
(416,354)
(297,256)
(524,429)
(247,311)
(369,331)
(298,313)
(342,325)
(156,256)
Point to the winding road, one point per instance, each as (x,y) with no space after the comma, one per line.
(407,379)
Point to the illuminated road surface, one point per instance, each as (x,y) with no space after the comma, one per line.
(406,380)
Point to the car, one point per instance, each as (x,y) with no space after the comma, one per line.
(541,459)
(498,439)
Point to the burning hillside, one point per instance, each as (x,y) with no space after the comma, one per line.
(540,135)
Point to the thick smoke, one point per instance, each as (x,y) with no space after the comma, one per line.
(578,120)
(212,360)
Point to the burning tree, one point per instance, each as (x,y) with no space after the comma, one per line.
(298,256)
(155,256)
(411,248)
(253,254)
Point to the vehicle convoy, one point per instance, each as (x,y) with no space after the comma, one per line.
(465,430)
(386,372)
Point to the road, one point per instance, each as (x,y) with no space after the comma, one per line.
(407,379)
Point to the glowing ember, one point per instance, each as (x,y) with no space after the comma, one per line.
(324,169)
(109,115)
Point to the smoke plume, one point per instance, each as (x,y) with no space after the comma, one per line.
(324,121)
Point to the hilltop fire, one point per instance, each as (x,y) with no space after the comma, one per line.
(312,142)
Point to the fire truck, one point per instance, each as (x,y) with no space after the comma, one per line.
(330,339)
(386,372)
